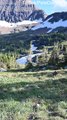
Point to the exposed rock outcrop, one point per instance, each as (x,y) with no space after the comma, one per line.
(38,15)
(15,10)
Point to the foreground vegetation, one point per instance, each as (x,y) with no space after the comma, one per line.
(50,57)
(16,45)
(39,95)
(33,95)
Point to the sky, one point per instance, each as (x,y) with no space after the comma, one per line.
(51,6)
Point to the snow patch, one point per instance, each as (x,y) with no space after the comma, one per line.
(33,48)
(25,59)
(22,60)
(39,20)
(49,31)
(10,25)
(49,18)
(50,25)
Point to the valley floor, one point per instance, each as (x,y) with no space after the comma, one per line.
(33,95)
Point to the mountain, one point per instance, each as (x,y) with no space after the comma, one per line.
(17,10)
(39,15)
(53,23)
(19,15)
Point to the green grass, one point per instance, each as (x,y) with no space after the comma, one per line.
(20,91)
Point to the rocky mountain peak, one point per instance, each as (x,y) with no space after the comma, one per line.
(19,15)
(38,14)
(15,10)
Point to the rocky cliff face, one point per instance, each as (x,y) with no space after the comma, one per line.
(19,15)
(37,15)
(15,10)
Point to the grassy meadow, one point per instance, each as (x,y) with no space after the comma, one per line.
(33,95)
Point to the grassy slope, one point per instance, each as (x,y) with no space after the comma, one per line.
(20,91)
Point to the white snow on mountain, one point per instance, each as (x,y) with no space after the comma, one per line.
(50,25)
(10,25)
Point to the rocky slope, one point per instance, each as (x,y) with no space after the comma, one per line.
(19,15)
(15,10)
(39,15)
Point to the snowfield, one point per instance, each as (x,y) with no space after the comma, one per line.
(50,25)
(33,48)
(11,25)
(24,60)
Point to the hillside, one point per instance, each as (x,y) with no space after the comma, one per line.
(55,22)
(33,62)
(20,42)
(15,46)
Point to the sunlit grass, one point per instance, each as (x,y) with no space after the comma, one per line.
(20,91)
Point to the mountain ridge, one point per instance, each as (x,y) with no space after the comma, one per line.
(53,22)
(15,11)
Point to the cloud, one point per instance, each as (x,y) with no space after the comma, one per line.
(60,3)
(42,2)
(55,3)
(52,6)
